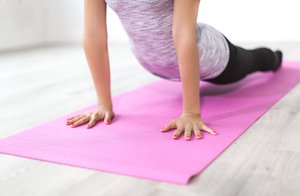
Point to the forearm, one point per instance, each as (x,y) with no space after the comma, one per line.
(188,60)
(96,52)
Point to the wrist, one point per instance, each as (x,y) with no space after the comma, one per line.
(193,113)
(106,106)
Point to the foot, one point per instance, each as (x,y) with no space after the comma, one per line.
(278,60)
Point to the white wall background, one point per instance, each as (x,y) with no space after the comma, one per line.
(26,23)
(33,22)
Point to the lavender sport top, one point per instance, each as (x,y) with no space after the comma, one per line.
(148,24)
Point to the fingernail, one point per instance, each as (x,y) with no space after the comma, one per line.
(175,135)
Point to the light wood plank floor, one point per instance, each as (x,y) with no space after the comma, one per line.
(39,84)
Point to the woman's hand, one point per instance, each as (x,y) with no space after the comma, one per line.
(91,117)
(187,123)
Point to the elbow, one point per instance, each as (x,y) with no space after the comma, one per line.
(97,36)
(94,39)
(183,36)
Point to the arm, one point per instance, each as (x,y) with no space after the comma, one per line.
(96,50)
(185,41)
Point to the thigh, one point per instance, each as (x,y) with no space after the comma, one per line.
(227,76)
(241,63)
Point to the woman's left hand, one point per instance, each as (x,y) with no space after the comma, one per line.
(187,123)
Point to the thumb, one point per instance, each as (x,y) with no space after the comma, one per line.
(108,118)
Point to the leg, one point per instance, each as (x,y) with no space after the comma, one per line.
(243,62)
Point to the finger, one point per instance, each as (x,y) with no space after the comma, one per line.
(171,125)
(72,117)
(207,129)
(197,132)
(80,121)
(78,117)
(75,119)
(187,132)
(92,122)
(108,118)
(177,133)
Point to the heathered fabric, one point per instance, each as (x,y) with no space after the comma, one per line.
(148,24)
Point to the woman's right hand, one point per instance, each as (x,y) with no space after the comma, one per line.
(91,117)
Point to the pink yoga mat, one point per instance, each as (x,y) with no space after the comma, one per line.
(134,145)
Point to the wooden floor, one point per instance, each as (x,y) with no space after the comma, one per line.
(39,84)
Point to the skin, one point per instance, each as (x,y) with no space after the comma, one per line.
(185,42)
